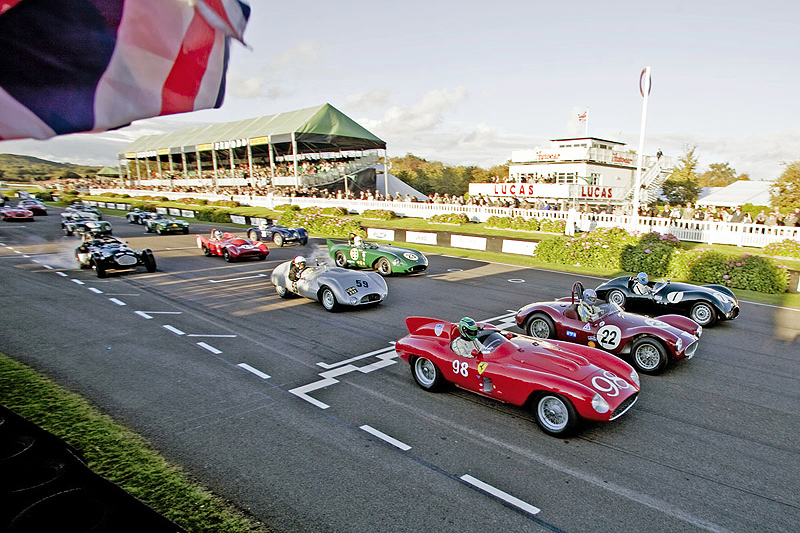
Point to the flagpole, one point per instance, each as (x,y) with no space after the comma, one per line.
(586,130)
(644,88)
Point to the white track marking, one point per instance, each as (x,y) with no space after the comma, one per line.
(95,290)
(17,252)
(173,329)
(36,261)
(497,493)
(255,371)
(63,275)
(219,336)
(146,314)
(79,282)
(48,267)
(356,358)
(209,348)
(28,257)
(236,279)
(118,302)
(384,437)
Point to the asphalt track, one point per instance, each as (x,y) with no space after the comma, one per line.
(308,420)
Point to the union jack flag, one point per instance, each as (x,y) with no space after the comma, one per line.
(582,116)
(93,65)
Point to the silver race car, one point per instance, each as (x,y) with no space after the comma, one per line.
(332,286)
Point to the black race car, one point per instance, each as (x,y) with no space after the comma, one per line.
(82,222)
(104,253)
(34,206)
(705,304)
(139,217)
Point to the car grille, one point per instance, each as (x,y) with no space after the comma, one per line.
(375,297)
(690,350)
(417,268)
(624,406)
(126,260)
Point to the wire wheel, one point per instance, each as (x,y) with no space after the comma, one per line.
(555,414)
(649,356)
(541,327)
(616,296)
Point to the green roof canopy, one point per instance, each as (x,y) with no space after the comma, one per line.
(317,129)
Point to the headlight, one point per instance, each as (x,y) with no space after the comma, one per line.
(679,344)
(699,331)
(353,300)
(410,256)
(396,261)
(599,404)
(635,378)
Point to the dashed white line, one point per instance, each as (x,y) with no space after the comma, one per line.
(497,493)
(220,336)
(17,252)
(146,314)
(209,348)
(79,282)
(63,275)
(95,290)
(118,302)
(236,279)
(27,257)
(173,329)
(48,267)
(383,436)
(249,368)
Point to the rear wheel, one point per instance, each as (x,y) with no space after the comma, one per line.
(616,296)
(555,414)
(254,235)
(149,261)
(328,300)
(703,313)
(541,326)
(277,239)
(383,267)
(340,259)
(186,231)
(426,374)
(648,355)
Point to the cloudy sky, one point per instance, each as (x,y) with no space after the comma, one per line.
(468,82)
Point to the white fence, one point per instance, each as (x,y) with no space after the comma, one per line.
(755,235)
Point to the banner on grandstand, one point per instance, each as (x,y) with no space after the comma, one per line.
(546,190)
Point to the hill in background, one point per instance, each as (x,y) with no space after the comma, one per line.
(27,168)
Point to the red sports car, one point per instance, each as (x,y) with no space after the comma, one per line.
(560,382)
(649,342)
(10,214)
(231,247)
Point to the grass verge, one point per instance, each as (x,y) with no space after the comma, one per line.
(118,454)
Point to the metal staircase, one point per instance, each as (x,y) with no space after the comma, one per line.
(653,177)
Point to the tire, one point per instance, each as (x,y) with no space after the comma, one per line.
(68,232)
(206,251)
(283,292)
(186,231)
(100,269)
(277,239)
(158,230)
(703,313)
(555,414)
(148,228)
(383,267)
(130,220)
(149,261)
(328,299)
(340,259)
(227,256)
(425,373)
(303,241)
(616,296)
(541,326)
(254,235)
(648,355)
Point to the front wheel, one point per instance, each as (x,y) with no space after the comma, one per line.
(541,326)
(282,291)
(277,239)
(149,261)
(67,231)
(383,267)
(206,251)
(426,374)
(648,355)
(100,269)
(616,296)
(158,230)
(328,300)
(303,241)
(555,414)
(227,256)
(340,259)
(703,313)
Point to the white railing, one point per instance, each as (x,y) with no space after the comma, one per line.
(737,234)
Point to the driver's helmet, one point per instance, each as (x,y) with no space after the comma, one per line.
(641,278)
(358,241)
(468,328)
(217,234)
(589,299)
(299,262)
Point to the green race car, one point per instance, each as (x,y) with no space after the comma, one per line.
(162,224)
(385,259)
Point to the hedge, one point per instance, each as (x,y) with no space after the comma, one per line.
(785,248)
(378,214)
(324,225)
(449,218)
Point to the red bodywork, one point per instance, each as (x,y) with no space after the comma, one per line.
(518,368)
(231,246)
(15,213)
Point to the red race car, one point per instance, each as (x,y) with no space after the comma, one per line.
(231,247)
(562,383)
(14,214)
(649,342)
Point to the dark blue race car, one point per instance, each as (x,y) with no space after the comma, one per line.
(277,234)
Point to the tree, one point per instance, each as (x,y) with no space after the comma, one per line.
(687,169)
(786,191)
(680,191)
(719,175)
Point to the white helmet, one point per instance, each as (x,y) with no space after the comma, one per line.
(358,241)
(299,260)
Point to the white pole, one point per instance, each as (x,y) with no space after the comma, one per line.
(586,130)
(385,173)
(644,87)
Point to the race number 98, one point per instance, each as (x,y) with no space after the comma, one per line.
(460,367)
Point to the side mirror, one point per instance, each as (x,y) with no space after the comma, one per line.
(509,335)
